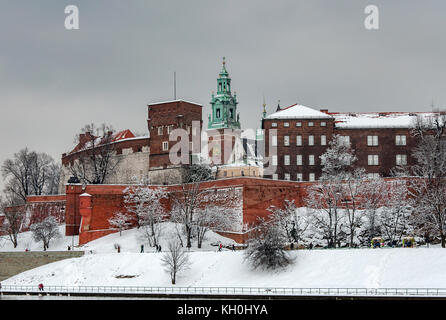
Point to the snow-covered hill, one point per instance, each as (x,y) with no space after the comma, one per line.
(371,268)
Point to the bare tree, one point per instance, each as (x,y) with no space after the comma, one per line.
(121,221)
(45,231)
(29,173)
(96,159)
(12,222)
(175,259)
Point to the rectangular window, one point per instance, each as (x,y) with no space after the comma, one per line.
(372,160)
(286,159)
(274,160)
(299,159)
(323,140)
(287,176)
(298,124)
(160,131)
(165,145)
(298,140)
(286,140)
(372,141)
(401,159)
(311,177)
(275,176)
(311,160)
(373,175)
(400,140)
(323,124)
(274,141)
(344,140)
(274,124)
(311,140)
(310,124)
(299,177)
(286,124)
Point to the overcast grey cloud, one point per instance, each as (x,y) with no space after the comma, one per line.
(318,53)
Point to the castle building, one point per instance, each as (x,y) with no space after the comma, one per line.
(381,140)
(164,118)
(130,153)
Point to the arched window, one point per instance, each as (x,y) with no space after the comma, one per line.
(217,113)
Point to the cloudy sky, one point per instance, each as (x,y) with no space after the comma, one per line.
(318,53)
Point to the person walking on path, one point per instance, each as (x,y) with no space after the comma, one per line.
(220,247)
(40,287)
(142,248)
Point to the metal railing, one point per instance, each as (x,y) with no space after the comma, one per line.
(276,291)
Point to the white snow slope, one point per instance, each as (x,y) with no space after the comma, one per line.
(340,268)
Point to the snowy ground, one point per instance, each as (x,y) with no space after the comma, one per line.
(340,268)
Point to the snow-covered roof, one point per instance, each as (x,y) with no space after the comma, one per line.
(298,111)
(378,119)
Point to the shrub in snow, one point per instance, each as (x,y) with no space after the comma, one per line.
(265,248)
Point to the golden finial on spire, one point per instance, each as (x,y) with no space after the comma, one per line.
(224,62)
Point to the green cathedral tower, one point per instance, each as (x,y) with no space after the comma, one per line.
(224,105)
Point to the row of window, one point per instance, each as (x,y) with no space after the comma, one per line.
(286,141)
(299,177)
(312,176)
(372,160)
(170,128)
(399,140)
(371,140)
(299,124)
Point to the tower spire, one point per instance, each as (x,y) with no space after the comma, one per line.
(264,108)
(224,103)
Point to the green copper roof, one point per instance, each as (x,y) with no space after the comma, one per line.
(224,104)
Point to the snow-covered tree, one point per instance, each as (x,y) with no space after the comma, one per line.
(292,221)
(337,160)
(175,259)
(352,192)
(219,212)
(394,216)
(120,221)
(190,197)
(266,247)
(45,231)
(373,194)
(428,193)
(144,203)
(324,206)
